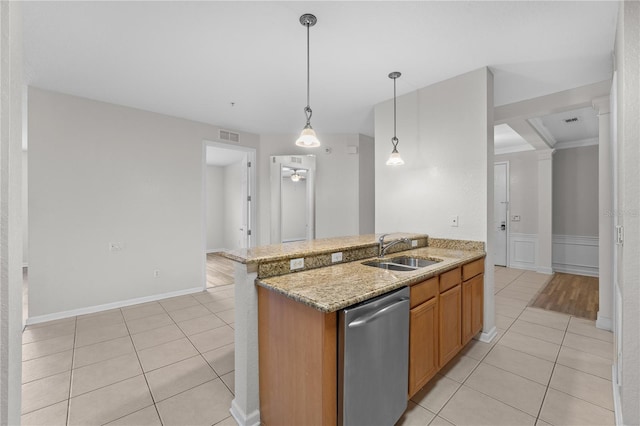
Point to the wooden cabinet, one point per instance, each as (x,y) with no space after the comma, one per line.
(423,334)
(472,299)
(298,362)
(450,324)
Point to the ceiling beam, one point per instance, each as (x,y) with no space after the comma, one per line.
(566,100)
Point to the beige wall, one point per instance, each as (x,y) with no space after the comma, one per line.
(338,188)
(101,173)
(575,191)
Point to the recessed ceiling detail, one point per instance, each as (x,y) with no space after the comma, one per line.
(568,129)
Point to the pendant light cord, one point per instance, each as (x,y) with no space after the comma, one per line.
(394,140)
(307,109)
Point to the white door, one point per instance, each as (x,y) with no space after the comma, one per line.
(501,212)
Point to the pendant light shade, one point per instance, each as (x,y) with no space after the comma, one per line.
(308,138)
(394,158)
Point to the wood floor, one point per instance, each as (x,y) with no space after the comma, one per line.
(219,271)
(570,294)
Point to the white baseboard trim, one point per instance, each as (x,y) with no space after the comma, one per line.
(25,265)
(604,323)
(488,336)
(544,270)
(215,250)
(522,251)
(575,254)
(98,308)
(243,419)
(617,406)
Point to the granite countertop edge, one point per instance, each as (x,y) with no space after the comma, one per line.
(312,289)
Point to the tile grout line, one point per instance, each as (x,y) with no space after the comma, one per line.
(73,356)
(553,369)
(143,372)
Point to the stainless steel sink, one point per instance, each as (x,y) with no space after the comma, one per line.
(389,266)
(402,263)
(416,262)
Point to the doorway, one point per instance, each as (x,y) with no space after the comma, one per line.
(501,213)
(229,209)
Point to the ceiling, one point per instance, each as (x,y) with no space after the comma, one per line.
(241,65)
(568,128)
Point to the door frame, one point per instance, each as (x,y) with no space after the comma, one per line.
(249,198)
(508,212)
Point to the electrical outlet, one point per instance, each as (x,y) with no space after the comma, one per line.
(336,257)
(515,218)
(414,243)
(454,221)
(115,246)
(296,263)
(156,273)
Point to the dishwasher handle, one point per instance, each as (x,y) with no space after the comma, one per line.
(371,316)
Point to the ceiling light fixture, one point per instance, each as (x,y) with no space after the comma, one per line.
(394,158)
(308,138)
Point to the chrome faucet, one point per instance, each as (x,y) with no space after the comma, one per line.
(382,247)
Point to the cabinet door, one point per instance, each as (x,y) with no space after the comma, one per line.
(467,311)
(423,344)
(472,305)
(477,303)
(450,324)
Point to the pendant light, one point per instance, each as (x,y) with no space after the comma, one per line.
(394,158)
(308,138)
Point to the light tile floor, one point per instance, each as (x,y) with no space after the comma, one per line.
(171,363)
(543,368)
(168,362)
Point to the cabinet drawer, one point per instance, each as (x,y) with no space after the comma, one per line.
(423,291)
(449,279)
(472,269)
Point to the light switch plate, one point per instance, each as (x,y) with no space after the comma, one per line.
(454,221)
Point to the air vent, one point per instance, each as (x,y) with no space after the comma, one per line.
(229,136)
(571,120)
(296,160)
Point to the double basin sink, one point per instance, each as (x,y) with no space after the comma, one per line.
(402,263)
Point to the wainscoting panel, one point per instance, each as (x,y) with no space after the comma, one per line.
(522,251)
(575,254)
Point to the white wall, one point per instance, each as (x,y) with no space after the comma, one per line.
(294,201)
(101,173)
(233,191)
(337,185)
(575,191)
(25,209)
(627,55)
(442,130)
(215,208)
(446,140)
(366,180)
(11,95)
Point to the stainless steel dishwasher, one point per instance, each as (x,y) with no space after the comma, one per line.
(373,360)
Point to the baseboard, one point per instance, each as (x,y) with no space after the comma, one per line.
(99,308)
(617,406)
(241,418)
(216,250)
(604,323)
(25,264)
(488,336)
(544,270)
(588,271)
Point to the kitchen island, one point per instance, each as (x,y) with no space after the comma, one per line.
(322,287)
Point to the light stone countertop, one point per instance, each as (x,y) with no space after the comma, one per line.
(331,288)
